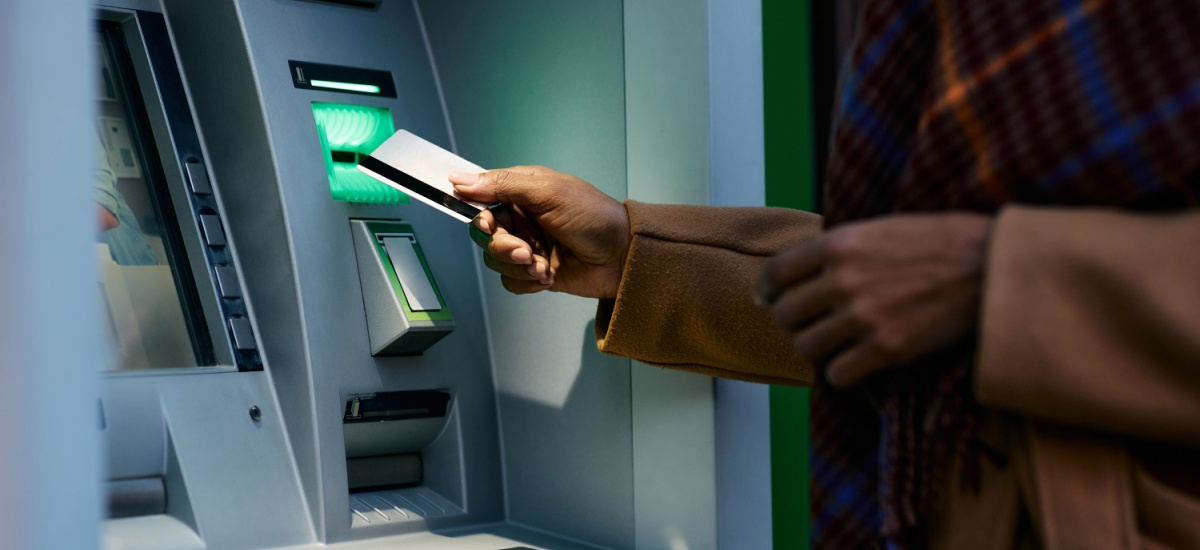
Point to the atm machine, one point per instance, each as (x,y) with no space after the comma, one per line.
(303,357)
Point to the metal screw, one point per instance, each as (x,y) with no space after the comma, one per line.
(255,413)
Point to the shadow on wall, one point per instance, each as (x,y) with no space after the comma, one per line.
(569,468)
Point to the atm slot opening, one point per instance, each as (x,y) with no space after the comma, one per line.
(378,473)
(347,157)
(385,434)
(348,133)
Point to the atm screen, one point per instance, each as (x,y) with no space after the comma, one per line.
(152,309)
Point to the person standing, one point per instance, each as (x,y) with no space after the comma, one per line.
(1001,317)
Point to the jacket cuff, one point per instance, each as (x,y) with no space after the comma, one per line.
(685,299)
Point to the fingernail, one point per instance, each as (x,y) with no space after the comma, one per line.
(485,226)
(463,181)
(522,256)
(537,270)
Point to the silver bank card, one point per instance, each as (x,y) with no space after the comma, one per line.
(419,168)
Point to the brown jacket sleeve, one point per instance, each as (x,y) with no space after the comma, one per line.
(686,295)
(1093,318)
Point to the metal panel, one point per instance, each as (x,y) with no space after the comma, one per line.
(743,438)
(666,51)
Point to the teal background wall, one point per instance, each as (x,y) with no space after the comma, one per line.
(542,82)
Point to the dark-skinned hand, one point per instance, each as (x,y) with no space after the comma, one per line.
(552,231)
(874,295)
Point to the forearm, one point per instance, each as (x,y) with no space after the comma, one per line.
(685,298)
(1093,318)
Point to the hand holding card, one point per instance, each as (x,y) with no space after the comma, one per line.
(552,231)
(419,168)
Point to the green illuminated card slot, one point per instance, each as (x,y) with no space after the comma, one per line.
(348,133)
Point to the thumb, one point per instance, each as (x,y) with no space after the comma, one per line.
(522,188)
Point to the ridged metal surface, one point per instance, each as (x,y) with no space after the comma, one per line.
(398,505)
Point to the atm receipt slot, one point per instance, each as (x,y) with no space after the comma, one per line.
(418,291)
(404,309)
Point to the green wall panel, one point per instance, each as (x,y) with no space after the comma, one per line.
(790,183)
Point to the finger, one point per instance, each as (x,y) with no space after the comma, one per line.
(827,336)
(499,217)
(789,267)
(517,286)
(541,269)
(515,271)
(481,239)
(799,305)
(485,221)
(517,186)
(512,219)
(538,268)
(855,365)
(503,216)
(507,248)
(462,178)
(531,170)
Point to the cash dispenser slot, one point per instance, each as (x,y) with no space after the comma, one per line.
(404,309)
(385,433)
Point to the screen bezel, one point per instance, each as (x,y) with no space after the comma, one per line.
(141,50)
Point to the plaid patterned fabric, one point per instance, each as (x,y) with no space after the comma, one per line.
(972,104)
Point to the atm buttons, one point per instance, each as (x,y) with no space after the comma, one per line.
(243,334)
(214,234)
(198,178)
(227,281)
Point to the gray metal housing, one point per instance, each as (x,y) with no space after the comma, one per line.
(298,261)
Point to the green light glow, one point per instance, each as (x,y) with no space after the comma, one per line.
(347,86)
(354,131)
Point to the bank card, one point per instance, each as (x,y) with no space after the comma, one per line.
(419,168)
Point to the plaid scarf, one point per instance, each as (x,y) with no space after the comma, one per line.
(970,105)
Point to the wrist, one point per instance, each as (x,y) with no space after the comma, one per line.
(622,241)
